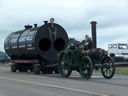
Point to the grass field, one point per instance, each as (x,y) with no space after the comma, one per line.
(119,70)
(122,70)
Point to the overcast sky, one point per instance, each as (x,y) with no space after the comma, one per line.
(73,15)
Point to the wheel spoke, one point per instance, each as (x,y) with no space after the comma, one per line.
(110,70)
(105,70)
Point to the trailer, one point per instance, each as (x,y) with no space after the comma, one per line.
(36,48)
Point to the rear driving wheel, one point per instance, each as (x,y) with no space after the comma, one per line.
(64,65)
(86,67)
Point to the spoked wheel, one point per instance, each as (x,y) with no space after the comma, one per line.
(13,67)
(108,68)
(36,69)
(64,65)
(86,67)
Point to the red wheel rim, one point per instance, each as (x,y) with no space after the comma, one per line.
(34,70)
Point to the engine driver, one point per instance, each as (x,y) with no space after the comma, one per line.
(87,42)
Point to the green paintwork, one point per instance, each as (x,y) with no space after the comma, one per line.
(73,56)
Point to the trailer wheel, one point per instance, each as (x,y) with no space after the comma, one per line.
(36,69)
(13,67)
(86,67)
(108,68)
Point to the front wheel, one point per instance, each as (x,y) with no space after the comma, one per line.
(86,67)
(108,68)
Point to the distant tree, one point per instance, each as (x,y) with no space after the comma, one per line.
(3,57)
(73,40)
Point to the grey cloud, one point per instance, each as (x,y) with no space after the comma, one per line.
(73,15)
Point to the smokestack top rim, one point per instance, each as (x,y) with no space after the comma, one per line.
(93,22)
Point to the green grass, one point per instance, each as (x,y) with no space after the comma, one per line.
(119,70)
(122,70)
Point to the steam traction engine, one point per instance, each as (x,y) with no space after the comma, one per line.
(84,60)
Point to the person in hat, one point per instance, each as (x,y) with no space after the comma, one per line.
(52,29)
(87,42)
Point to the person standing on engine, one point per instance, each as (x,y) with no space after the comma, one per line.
(52,30)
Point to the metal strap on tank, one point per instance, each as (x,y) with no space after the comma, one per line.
(50,33)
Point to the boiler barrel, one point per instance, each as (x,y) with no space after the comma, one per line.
(37,43)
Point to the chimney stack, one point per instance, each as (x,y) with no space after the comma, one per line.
(93,28)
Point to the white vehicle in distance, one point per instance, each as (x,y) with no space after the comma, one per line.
(119,51)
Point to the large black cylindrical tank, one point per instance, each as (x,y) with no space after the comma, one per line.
(36,43)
